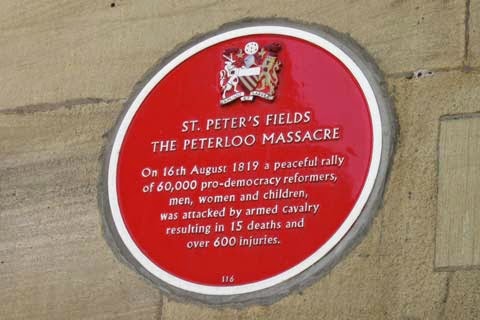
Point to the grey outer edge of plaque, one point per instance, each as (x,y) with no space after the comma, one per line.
(269,295)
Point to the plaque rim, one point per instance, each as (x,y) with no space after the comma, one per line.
(367,76)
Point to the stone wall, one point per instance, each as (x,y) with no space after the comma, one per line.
(67,67)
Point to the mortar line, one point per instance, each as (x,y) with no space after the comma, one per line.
(68,104)
(407,74)
(456,116)
(467,34)
(446,295)
(160,308)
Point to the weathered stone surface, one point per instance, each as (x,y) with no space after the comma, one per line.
(390,275)
(463,298)
(458,219)
(54,262)
(52,52)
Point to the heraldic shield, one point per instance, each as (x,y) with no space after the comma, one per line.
(250,72)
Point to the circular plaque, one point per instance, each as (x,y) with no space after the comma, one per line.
(248,163)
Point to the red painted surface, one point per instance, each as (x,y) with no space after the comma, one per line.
(311,81)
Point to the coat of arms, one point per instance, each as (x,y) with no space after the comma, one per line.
(250,72)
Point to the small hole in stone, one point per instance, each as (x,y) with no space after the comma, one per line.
(419,74)
(112,5)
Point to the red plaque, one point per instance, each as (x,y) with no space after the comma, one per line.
(244,160)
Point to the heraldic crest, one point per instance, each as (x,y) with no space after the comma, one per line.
(250,72)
